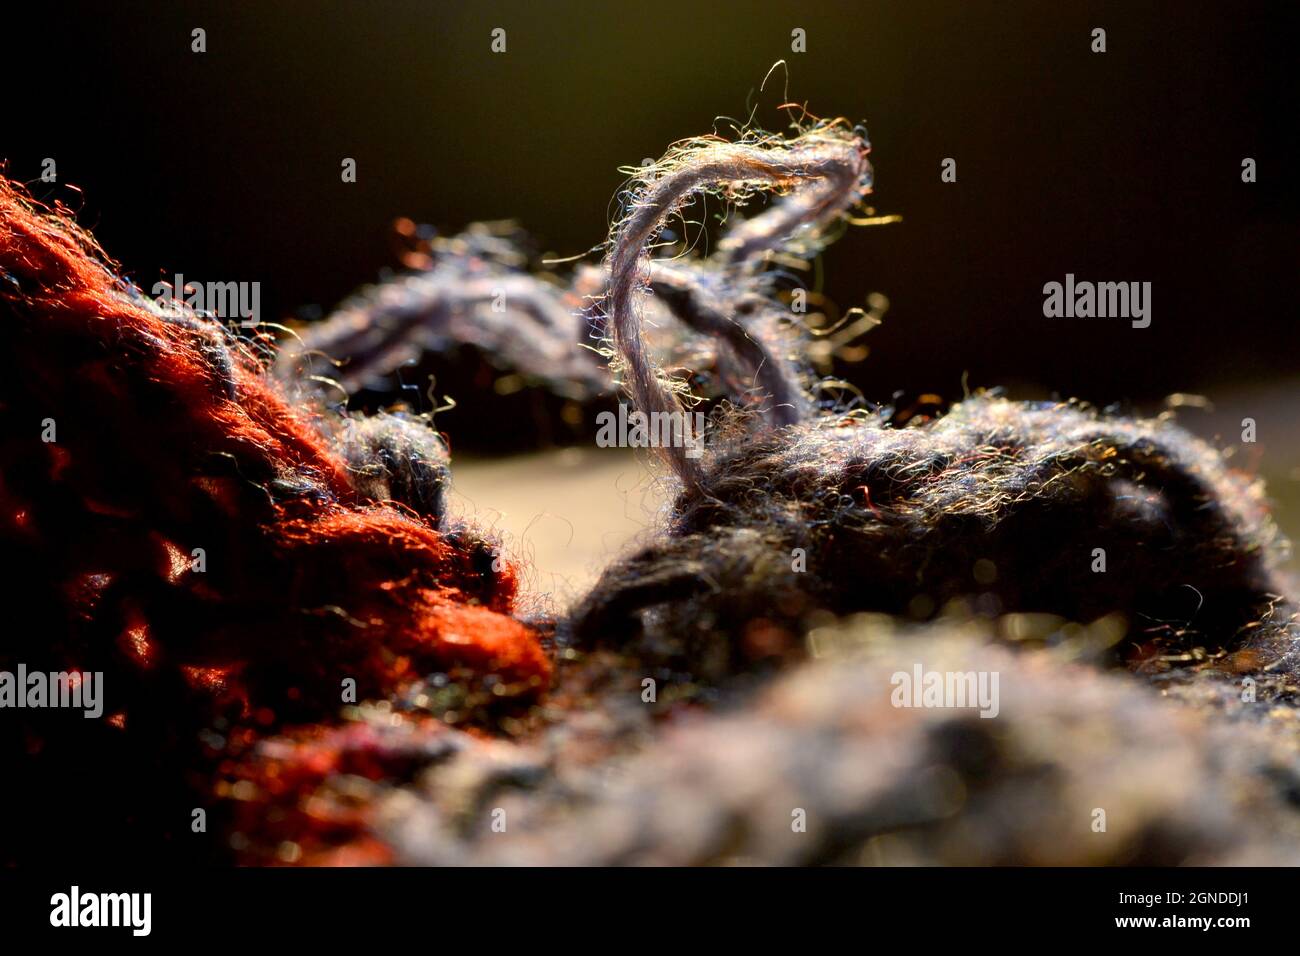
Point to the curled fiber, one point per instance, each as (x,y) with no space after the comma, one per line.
(714,318)
(822,509)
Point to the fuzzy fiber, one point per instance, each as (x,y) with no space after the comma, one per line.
(324,555)
(897,519)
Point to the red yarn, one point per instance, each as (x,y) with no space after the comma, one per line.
(282,796)
(170,438)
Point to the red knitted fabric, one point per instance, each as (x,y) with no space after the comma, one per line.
(169,438)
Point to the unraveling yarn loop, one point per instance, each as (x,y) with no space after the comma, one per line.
(812,508)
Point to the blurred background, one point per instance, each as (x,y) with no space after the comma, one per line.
(1122,166)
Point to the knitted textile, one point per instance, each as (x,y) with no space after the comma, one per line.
(172,522)
(230,550)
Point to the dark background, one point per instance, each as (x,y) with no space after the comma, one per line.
(1119,166)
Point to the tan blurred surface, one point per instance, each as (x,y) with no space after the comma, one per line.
(566,513)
